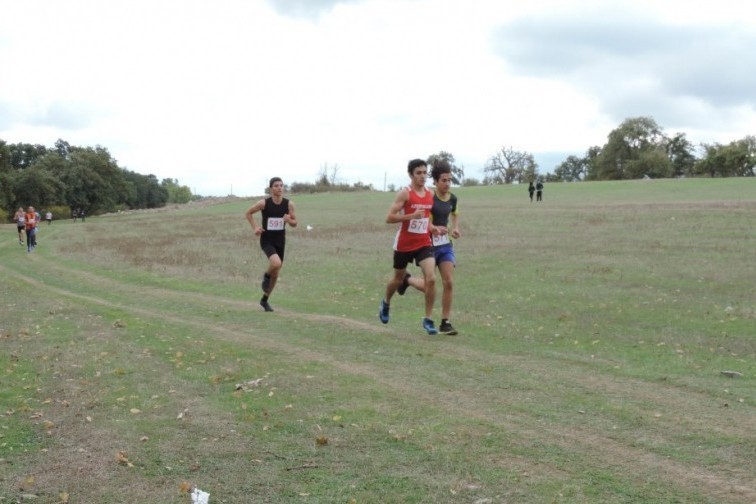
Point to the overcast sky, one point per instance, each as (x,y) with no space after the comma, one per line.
(224,94)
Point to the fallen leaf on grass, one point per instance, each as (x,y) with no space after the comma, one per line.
(185,487)
(63,496)
(321,441)
(122,459)
(135,411)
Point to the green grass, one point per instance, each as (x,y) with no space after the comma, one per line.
(593,330)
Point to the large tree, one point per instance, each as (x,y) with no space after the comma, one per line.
(636,148)
(509,165)
(35,186)
(94,182)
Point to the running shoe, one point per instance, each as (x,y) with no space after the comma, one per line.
(429,327)
(405,283)
(266,284)
(383,314)
(266,306)
(446,328)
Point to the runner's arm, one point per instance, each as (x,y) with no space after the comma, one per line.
(252,210)
(291,217)
(394,215)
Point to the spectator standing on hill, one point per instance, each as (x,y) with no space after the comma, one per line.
(276,211)
(20,218)
(48,217)
(411,209)
(531,190)
(539,191)
(30,219)
(445,219)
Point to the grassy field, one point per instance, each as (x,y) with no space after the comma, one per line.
(594,330)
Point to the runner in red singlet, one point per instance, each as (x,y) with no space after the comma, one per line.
(411,209)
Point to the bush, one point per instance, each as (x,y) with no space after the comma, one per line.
(320,187)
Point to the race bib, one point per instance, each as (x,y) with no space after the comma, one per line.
(441,240)
(419,226)
(275,223)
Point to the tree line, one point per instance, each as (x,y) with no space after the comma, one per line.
(637,148)
(79,178)
(89,179)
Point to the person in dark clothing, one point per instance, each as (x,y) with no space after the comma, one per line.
(531,190)
(539,191)
(276,212)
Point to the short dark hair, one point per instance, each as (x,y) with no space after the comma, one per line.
(440,166)
(415,163)
(274,180)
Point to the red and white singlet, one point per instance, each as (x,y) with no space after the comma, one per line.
(414,234)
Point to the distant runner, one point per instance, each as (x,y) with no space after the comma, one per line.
(30,225)
(20,218)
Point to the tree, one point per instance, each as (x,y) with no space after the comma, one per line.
(629,154)
(509,165)
(62,148)
(681,154)
(444,158)
(144,191)
(176,193)
(571,169)
(5,156)
(35,186)
(736,159)
(94,182)
(24,155)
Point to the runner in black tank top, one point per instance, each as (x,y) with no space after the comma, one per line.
(276,212)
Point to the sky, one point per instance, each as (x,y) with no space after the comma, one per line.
(224,94)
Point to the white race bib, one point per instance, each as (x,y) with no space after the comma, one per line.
(441,240)
(275,224)
(419,226)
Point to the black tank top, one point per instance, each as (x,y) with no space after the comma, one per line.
(275,212)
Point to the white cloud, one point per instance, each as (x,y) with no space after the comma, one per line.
(222,95)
